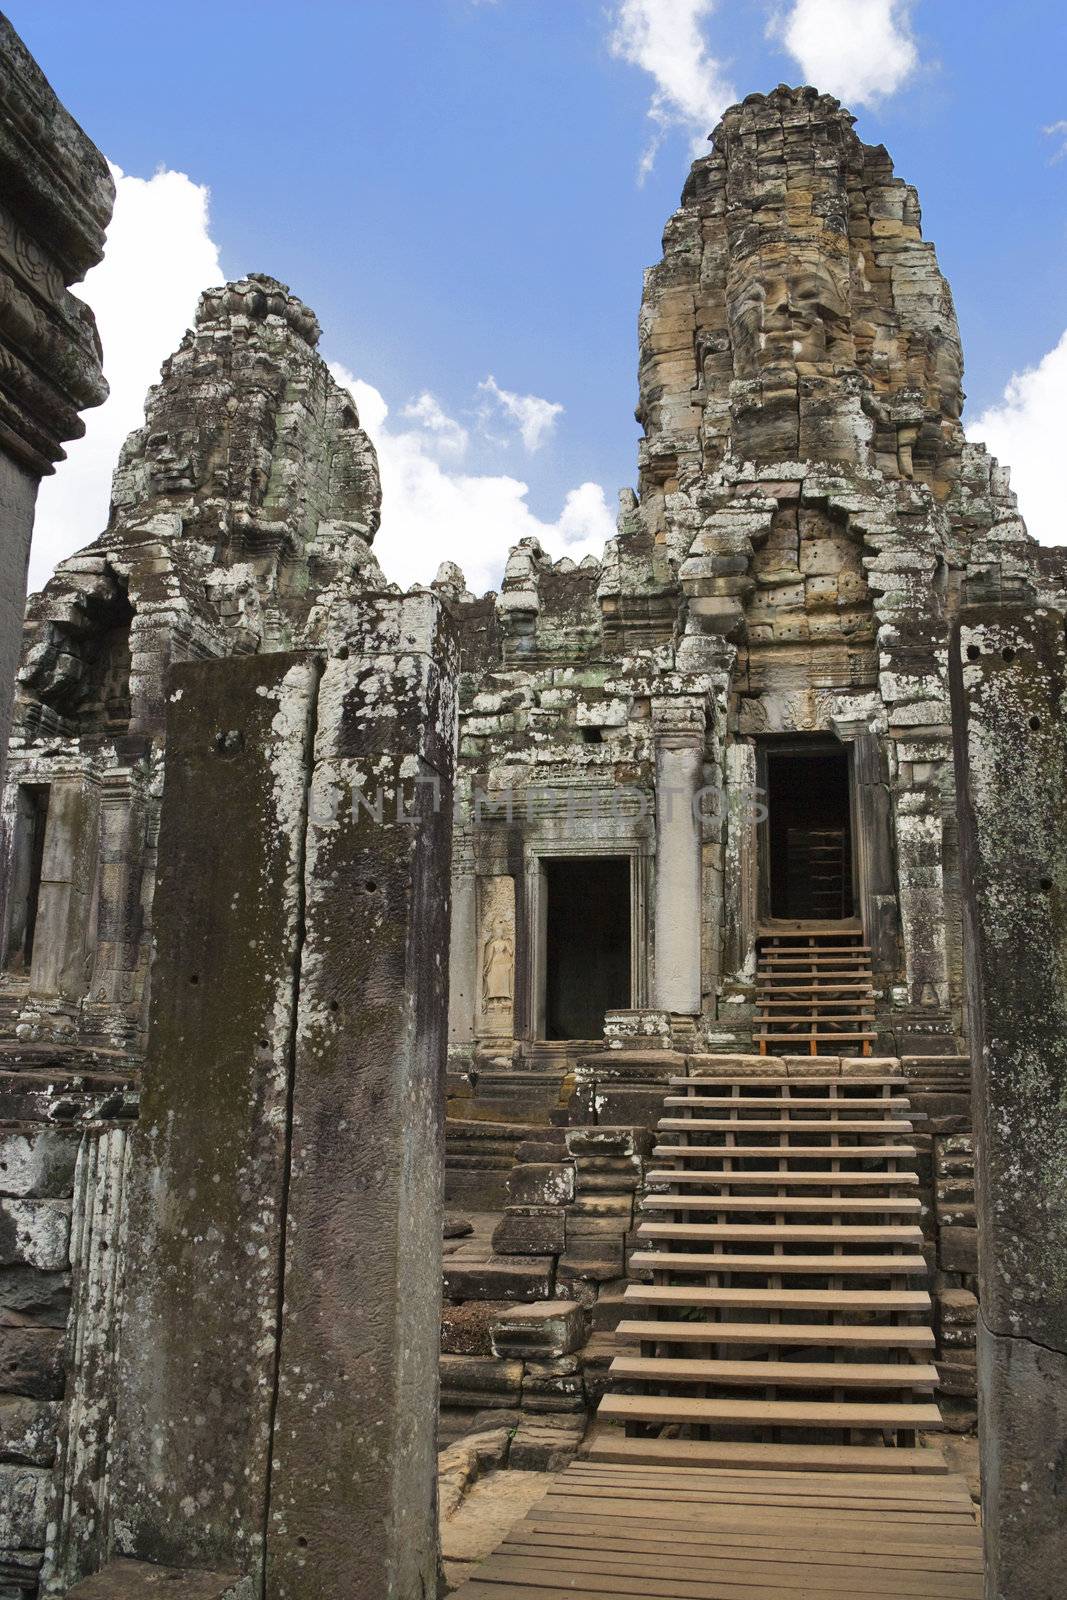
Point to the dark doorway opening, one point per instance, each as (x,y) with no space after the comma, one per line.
(587,943)
(31,818)
(810,833)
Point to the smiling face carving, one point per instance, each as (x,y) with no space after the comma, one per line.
(779,317)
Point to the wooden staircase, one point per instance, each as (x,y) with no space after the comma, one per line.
(814,992)
(775,1312)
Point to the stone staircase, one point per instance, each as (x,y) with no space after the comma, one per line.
(775,1313)
(814,993)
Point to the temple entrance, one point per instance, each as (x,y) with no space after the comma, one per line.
(808,855)
(587,943)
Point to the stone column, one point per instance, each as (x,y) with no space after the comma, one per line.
(678,727)
(61,950)
(463,959)
(1009,687)
(353,1506)
(57,199)
(209,1158)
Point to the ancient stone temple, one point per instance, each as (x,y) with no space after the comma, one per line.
(731,818)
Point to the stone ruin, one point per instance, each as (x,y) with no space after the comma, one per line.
(809,700)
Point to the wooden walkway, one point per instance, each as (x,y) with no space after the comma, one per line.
(623,1532)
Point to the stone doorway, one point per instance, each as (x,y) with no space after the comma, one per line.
(587,943)
(25,876)
(807,860)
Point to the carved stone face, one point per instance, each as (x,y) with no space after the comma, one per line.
(779,318)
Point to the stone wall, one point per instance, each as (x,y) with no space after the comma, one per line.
(1010,679)
(57,200)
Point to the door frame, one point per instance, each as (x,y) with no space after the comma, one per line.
(536,920)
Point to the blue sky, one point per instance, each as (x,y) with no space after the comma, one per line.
(470,190)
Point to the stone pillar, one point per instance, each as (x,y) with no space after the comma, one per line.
(353,1505)
(209,1159)
(678,726)
(463,957)
(1009,688)
(57,199)
(61,941)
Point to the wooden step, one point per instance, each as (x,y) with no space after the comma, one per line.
(606,1444)
(843,1205)
(816,984)
(802,949)
(828,1301)
(782,1374)
(711,1181)
(843,1336)
(778,1233)
(889,1266)
(770,1413)
(777,1152)
(811,1038)
(783,1102)
(774,1080)
(878,1127)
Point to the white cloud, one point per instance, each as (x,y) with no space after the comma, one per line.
(449,436)
(1057,130)
(535,418)
(1024,430)
(665,39)
(159,257)
(432,514)
(859,50)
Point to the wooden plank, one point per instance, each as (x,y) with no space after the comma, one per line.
(873,1126)
(782,1233)
(792,1374)
(776,1102)
(845,1205)
(885,1266)
(846,1336)
(899,1582)
(844,1180)
(778,1152)
(777,1484)
(650,1538)
(607,1445)
(828,1300)
(769,1413)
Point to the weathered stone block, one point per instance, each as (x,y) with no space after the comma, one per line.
(28,1431)
(958,1249)
(31,1362)
(531,1231)
(551,1329)
(480,1381)
(467,1330)
(35,1233)
(23,1506)
(139,1580)
(541,1184)
(38,1163)
(499,1278)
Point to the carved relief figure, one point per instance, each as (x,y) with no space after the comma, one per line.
(498,967)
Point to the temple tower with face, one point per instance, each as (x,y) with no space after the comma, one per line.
(730,739)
